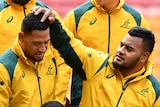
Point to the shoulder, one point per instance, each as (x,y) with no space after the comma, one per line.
(133,12)
(9,59)
(155,85)
(129,8)
(83,7)
(8,56)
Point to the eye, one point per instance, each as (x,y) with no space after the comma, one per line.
(46,42)
(36,43)
(121,44)
(129,48)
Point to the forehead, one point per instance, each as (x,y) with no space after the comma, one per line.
(130,40)
(39,35)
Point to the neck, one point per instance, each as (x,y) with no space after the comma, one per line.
(130,71)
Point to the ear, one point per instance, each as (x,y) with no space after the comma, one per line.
(21,36)
(145,57)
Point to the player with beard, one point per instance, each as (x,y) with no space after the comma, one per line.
(122,80)
(31,72)
(12,12)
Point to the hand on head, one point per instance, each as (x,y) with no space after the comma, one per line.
(47,13)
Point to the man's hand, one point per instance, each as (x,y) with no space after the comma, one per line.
(47,13)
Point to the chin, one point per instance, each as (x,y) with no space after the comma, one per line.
(116,64)
(38,60)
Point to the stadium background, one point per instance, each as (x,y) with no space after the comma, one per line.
(149,8)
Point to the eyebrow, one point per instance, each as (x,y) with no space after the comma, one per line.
(40,41)
(128,46)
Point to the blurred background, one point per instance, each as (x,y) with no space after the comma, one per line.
(149,8)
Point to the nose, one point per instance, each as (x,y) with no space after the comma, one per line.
(121,50)
(43,48)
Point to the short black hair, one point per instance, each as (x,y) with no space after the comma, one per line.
(146,35)
(32,22)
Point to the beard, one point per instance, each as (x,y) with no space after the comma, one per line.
(21,2)
(126,66)
(33,57)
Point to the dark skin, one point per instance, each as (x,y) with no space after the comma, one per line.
(130,56)
(34,45)
(21,2)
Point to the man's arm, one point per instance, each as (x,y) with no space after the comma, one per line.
(61,41)
(75,54)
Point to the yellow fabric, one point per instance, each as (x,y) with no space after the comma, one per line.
(10,22)
(11,18)
(108,88)
(24,90)
(63,77)
(103,90)
(96,35)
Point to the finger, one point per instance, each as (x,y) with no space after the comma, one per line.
(47,13)
(35,8)
(39,10)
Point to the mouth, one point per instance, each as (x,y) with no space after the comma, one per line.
(40,55)
(119,57)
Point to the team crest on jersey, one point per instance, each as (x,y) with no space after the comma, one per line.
(49,72)
(143,92)
(126,24)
